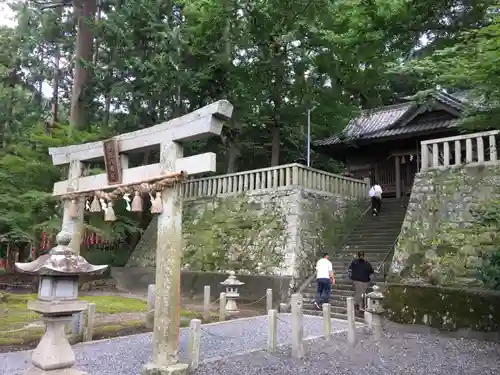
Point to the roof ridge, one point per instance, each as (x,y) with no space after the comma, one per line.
(387,107)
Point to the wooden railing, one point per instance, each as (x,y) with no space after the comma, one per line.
(274,178)
(470,149)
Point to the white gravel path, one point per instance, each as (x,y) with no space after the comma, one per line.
(126,355)
(398,353)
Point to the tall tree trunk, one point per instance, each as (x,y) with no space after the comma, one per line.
(8,117)
(55,85)
(97,40)
(107,110)
(85,11)
(233,154)
(276,97)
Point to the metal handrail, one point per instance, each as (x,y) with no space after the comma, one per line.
(391,251)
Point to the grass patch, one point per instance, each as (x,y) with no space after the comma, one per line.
(115,305)
(15,316)
(14,313)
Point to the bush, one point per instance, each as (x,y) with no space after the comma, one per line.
(116,258)
(490,272)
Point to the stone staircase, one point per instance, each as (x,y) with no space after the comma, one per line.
(375,235)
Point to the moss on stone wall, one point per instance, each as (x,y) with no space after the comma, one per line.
(443,308)
(266,232)
(326,221)
(245,234)
(442,240)
(234,234)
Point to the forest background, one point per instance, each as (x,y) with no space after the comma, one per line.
(76,71)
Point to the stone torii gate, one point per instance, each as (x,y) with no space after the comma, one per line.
(202,123)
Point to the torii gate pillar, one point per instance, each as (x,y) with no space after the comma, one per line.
(202,123)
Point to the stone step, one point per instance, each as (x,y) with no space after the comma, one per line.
(334,309)
(381,219)
(371,255)
(376,244)
(336,298)
(374,234)
(390,226)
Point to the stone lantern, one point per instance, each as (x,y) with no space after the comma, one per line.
(58,271)
(376,310)
(231,284)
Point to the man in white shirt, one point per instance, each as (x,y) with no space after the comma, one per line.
(375,194)
(324,280)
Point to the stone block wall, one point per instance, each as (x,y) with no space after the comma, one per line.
(439,242)
(268,232)
(192,284)
(447,309)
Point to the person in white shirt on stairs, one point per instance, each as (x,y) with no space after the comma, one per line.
(324,281)
(375,194)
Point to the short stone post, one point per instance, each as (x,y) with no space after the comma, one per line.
(77,324)
(376,309)
(88,328)
(206,303)
(269,299)
(222,307)
(194,343)
(327,321)
(272,327)
(151,296)
(150,314)
(297,326)
(351,322)
(367,314)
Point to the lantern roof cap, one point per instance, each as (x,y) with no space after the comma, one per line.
(60,261)
(232,280)
(376,294)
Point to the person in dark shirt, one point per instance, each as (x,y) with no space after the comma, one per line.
(360,272)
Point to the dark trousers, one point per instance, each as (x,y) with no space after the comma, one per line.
(376,204)
(323,290)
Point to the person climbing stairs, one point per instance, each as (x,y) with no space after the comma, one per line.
(375,236)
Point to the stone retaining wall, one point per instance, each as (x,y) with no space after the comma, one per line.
(264,232)
(137,279)
(440,243)
(448,309)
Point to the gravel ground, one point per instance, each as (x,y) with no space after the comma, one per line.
(399,353)
(126,355)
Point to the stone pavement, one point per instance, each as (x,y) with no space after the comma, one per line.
(398,353)
(126,355)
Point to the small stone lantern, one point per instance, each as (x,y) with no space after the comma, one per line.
(231,284)
(58,271)
(375,308)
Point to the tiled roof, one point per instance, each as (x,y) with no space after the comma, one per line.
(380,122)
(431,125)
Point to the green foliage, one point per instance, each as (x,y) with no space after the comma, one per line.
(471,63)
(273,60)
(27,177)
(113,258)
(234,234)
